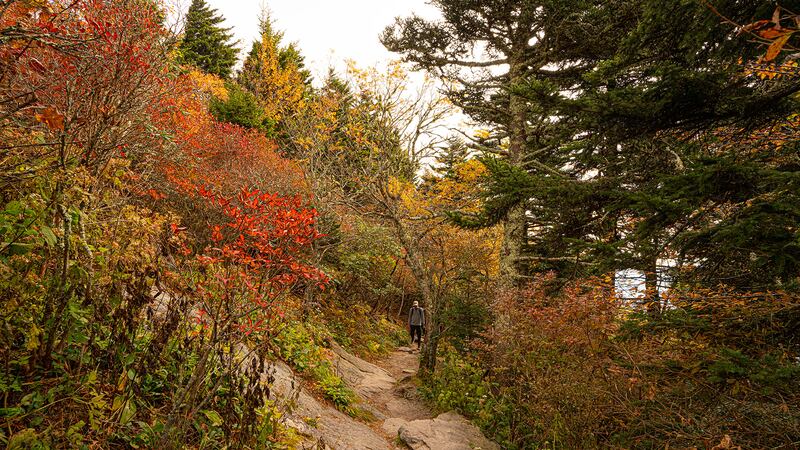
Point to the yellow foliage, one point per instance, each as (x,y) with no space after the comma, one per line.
(470,171)
(481,134)
(210,85)
(281,89)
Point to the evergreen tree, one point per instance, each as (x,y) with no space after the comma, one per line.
(276,77)
(521,46)
(455,152)
(288,57)
(671,113)
(661,160)
(241,108)
(205,43)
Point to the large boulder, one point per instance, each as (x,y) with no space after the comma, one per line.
(448,431)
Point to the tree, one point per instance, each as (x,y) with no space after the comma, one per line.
(664,123)
(274,75)
(485,52)
(622,118)
(240,108)
(359,158)
(205,43)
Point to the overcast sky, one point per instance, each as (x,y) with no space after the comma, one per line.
(327,32)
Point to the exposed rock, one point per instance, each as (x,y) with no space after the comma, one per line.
(395,403)
(331,428)
(392,426)
(365,378)
(448,431)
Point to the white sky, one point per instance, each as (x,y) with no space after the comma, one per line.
(327,32)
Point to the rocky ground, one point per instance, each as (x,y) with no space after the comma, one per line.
(400,420)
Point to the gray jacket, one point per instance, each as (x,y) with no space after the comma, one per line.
(416,316)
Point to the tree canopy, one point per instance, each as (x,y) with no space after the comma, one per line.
(205,43)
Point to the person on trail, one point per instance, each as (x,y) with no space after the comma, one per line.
(416,323)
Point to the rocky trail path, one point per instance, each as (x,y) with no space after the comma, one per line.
(388,393)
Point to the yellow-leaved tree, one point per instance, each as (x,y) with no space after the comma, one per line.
(275,75)
(364,144)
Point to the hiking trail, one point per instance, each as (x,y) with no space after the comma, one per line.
(400,419)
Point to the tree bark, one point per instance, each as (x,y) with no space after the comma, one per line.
(653,298)
(429,299)
(514,235)
(515,230)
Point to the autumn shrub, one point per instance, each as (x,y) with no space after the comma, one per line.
(719,362)
(580,369)
(145,249)
(359,330)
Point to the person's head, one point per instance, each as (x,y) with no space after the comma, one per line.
(415,304)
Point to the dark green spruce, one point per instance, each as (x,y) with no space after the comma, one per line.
(207,45)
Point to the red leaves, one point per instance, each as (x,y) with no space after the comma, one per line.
(216,234)
(257,252)
(155,195)
(176,229)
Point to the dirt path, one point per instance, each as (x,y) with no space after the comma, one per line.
(402,401)
(388,391)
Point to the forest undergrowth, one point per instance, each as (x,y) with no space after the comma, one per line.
(171,223)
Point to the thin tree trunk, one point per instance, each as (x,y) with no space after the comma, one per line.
(653,299)
(429,301)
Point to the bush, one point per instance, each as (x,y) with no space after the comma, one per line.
(461,385)
(580,370)
(362,333)
(299,348)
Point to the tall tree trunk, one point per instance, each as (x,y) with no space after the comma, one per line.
(653,298)
(515,230)
(514,237)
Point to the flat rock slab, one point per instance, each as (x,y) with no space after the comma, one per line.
(392,426)
(448,431)
(326,427)
(365,378)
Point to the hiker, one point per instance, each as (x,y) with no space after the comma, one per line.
(416,323)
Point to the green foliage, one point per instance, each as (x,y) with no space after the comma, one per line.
(361,332)
(205,44)
(768,372)
(466,317)
(299,347)
(240,108)
(463,386)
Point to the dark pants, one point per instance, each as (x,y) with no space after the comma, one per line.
(416,331)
